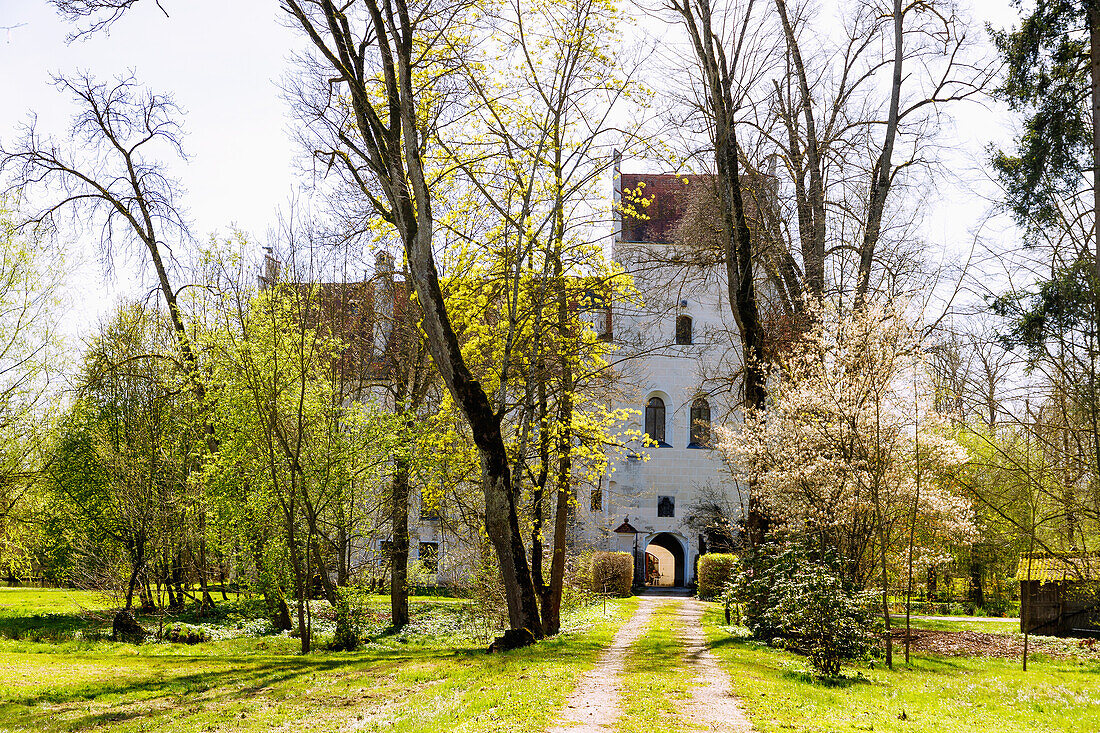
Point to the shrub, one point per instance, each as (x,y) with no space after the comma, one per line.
(715,570)
(805,605)
(997,606)
(489,607)
(186,634)
(611,572)
(960,609)
(351,614)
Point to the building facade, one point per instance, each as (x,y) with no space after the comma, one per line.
(677,371)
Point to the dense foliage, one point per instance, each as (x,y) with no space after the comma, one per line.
(714,570)
(802,601)
(609,573)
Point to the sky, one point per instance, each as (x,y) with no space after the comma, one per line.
(222,61)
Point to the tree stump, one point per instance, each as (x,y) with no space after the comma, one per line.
(512,639)
(126,628)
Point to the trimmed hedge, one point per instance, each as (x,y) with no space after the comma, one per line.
(715,570)
(612,572)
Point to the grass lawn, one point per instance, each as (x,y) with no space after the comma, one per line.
(409,682)
(936,695)
(17,602)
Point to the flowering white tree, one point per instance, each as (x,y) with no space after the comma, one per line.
(849,450)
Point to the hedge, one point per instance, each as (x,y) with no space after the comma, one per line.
(612,572)
(715,570)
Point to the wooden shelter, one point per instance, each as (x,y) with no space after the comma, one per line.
(1060,596)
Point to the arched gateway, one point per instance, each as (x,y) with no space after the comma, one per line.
(664,561)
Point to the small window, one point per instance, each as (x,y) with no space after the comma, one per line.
(429,556)
(700,424)
(666,506)
(603,326)
(655,420)
(596,500)
(683,330)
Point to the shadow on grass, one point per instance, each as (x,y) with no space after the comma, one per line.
(842,682)
(59,627)
(51,627)
(219,685)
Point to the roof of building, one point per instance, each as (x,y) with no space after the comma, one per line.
(625,528)
(658,197)
(1072,568)
(654,204)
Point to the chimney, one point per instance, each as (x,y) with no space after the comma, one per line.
(271,269)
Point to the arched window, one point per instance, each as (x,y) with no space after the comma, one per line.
(700,424)
(683,329)
(655,420)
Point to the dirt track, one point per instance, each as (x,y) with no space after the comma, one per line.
(1004,646)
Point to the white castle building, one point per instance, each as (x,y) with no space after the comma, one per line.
(677,369)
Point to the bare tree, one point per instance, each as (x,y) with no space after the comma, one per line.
(112,173)
(839,129)
(97,15)
(717,65)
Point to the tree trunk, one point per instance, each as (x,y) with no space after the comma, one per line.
(221,579)
(551,614)
(538,493)
(811,219)
(277,609)
(399,547)
(172,602)
(148,604)
(1094,76)
(886,600)
(388,116)
(130,587)
(501,517)
(977,593)
(206,604)
(738,251)
(882,172)
(301,584)
(327,586)
(343,556)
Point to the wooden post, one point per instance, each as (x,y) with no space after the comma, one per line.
(1031,543)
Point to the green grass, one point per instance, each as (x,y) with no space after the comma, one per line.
(15,602)
(60,615)
(963,623)
(51,613)
(655,676)
(409,682)
(937,695)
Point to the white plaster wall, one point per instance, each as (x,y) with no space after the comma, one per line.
(648,363)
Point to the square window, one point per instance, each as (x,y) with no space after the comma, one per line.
(666,506)
(429,556)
